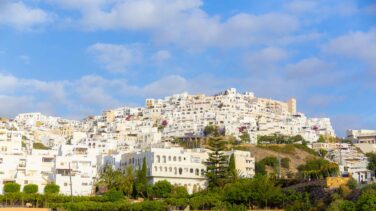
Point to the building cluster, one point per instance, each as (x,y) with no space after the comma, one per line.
(352,161)
(40,149)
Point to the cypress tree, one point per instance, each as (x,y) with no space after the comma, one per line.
(142,180)
(231,170)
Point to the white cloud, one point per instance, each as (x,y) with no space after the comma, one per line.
(358,44)
(182,22)
(18,15)
(165,86)
(265,59)
(307,67)
(161,56)
(116,58)
(299,6)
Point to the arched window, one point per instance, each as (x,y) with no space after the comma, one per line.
(155,168)
(174,158)
(165,169)
(169,158)
(197,172)
(179,159)
(158,159)
(164,159)
(180,171)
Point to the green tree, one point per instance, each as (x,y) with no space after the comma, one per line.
(231,170)
(245,138)
(321,139)
(11,187)
(51,188)
(216,163)
(116,179)
(211,130)
(318,168)
(142,181)
(162,189)
(352,183)
(366,202)
(323,152)
(265,190)
(341,205)
(127,181)
(295,139)
(371,162)
(178,197)
(239,192)
(108,177)
(30,188)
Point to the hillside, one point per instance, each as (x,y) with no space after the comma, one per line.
(296,153)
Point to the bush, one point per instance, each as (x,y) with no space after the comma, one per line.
(37,145)
(51,188)
(114,195)
(285,163)
(352,183)
(162,189)
(12,188)
(30,188)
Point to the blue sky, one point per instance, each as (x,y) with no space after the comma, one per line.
(76,58)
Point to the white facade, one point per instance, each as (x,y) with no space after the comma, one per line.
(177,165)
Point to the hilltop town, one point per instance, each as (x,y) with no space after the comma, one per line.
(39,149)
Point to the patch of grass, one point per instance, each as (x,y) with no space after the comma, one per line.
(39,146)
(306,149)
(286,149)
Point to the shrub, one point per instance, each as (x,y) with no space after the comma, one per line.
(12,188)
(37,145)
(352,183)
(30,188)
(114,195)
(162,189)
(285,163)
(51,188)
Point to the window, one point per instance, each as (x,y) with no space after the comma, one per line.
(65,184)
(165,169)
(197,172)
(155,168)
(179,159)
(180,171)
(164,159)
(158,159)
(191,171)
(174,158)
